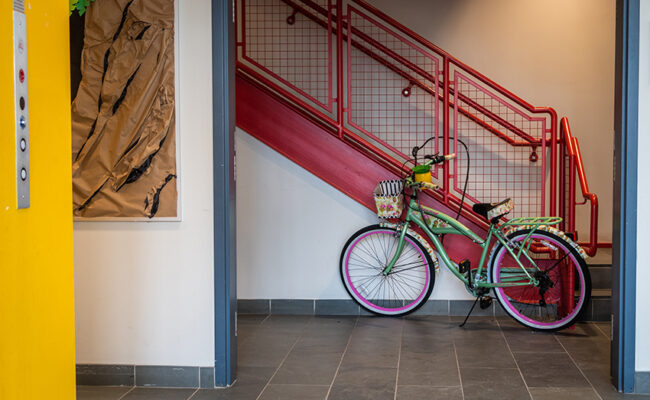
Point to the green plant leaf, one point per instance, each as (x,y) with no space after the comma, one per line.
(82,5)
(73,5)
(79,5)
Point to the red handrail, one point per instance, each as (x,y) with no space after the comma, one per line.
(574,166)
(449,59)
(528,140)
(439,77)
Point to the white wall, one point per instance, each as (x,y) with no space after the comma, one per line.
(144,290)
(553,53)
(643,197)
(291,227)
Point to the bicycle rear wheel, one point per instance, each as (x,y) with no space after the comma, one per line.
(565,285)
(404,289)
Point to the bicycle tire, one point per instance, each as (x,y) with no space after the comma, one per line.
(402,291)
(556,307)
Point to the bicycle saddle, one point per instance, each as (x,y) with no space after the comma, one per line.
(492,211)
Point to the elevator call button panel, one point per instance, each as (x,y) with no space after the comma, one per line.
(21,102)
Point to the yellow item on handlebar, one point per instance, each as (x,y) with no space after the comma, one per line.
(422,173)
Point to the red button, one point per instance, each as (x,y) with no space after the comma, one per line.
(21,76)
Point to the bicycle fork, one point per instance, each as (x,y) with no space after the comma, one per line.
(398,251)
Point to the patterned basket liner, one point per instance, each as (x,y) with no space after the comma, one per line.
(389,198)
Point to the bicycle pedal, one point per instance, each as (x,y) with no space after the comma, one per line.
(486,302)
(464,266)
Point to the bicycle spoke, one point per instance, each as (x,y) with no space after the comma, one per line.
(404,286)
(547,304)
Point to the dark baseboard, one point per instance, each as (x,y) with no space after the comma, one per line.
(642,382)
(598,310)
(145,375)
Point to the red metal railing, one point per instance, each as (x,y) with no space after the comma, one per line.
(384,89)
(570,165)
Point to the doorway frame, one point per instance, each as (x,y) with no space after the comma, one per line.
(225,223)
(625,195)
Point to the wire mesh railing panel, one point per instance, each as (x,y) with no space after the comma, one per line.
(498,168)
(392,91)
(512,122)
(291,43)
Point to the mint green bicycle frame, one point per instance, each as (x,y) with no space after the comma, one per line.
(516,276)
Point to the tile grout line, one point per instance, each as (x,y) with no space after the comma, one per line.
(460,377)
(193,393)
(399,358)
(579,369)
(127,392)
(601,331)
(285,358)
(336,372)
(514,358)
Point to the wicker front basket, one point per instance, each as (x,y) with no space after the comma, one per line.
(389,198)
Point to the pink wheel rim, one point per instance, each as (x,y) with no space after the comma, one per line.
(513,310)
(362,298)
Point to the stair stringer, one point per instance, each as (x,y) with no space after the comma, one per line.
(270,120)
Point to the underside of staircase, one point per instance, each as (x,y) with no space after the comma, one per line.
(270,120)
(345,91)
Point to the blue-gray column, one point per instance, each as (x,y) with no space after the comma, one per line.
(225,272)
(625,189)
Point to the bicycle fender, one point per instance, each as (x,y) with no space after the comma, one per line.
(419,238)
(552,230)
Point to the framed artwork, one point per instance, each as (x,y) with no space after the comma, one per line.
(124,126)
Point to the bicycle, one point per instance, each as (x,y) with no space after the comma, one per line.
(536,272)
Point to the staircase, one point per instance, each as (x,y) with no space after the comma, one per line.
(345,91)
(600,269)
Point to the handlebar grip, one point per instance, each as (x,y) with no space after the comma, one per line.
(423,185)
(435,159)
(429,185)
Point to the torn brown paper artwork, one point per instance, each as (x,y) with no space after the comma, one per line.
(123,117)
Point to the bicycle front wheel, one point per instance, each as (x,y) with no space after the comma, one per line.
(404,289)
(564,287)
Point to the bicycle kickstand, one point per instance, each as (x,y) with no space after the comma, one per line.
(470,311)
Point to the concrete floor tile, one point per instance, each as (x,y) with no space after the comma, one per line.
(493,383)
(304,353)
(564,393)
(295,392)
(355,392)
(141,393)
(101,392)
(549,370)
(419,392)
(429,369)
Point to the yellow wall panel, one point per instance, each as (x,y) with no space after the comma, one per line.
(36,270)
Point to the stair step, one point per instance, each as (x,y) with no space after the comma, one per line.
(600,308)
(601,293)
(603,257)
(601,276)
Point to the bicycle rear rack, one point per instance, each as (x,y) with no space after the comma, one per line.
(532,221)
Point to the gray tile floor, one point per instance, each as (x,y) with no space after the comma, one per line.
(357,358)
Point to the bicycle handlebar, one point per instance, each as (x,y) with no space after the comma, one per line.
(436,159)
(422,185)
